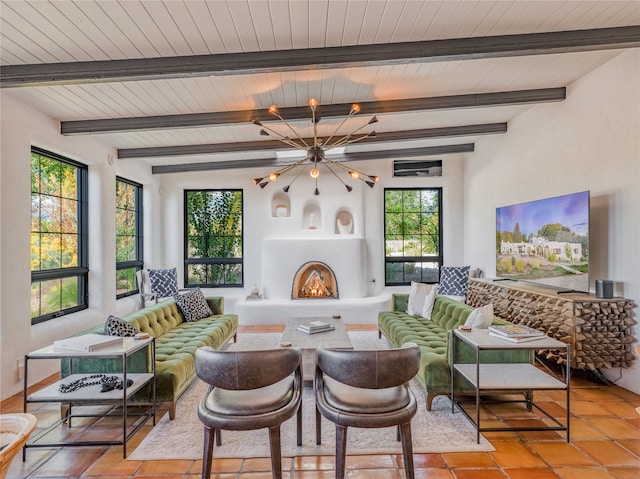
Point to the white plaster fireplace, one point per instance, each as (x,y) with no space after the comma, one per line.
(345,255)
(283,257)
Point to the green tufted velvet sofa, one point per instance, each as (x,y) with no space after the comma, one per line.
(433,336)
(176,344)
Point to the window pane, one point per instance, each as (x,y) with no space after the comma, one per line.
(129,235)
(125,222)
(35,251)
(125,248)
(125,195)
(430,272)
(213,224)
(49,176)
(226,274)
(412,272)
(69,250)
(35,300)
(125,280)
(69,293)
(197,246)
(50,251)
(35,212)
(69,216)
(393,245)
(412,230)
(429,201)
(394,273)
(57,184)
(197,274)
(50,219)
(412,223)
(430,245)
(68,181)
(35,173)
(50,294)
(393,201)
(412,246)
(411,201)
(393,223)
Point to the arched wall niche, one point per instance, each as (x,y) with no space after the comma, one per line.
(344,222)
(280,206)
(312,216)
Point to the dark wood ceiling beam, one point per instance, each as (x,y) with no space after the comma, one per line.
(408,152)
(214,148)
(454,49)
(278,162)
(197,120)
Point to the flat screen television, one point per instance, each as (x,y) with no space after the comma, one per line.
(545,241)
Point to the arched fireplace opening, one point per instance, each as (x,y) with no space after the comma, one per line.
(314,280)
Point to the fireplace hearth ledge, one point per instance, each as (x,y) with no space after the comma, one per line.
(277,311)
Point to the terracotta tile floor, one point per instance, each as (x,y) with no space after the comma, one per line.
(605,445)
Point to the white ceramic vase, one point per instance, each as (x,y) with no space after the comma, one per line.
(344,225)
(281,211)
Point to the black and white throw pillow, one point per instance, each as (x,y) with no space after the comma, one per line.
(164,282)
(193,305)
(119,327)
(454,280)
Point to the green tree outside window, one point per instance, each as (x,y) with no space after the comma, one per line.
(412,227)
(58,242)
(214,252)
(129,253)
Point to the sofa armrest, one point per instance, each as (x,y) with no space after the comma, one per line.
(216,303)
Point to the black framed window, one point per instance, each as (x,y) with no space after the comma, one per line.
(413,235)
(59,236)
(213,238)
(129,252)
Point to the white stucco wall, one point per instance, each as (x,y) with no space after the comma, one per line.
(591,142)
(22,127)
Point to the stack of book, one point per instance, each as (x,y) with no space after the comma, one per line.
(87,343)
(515,333)
(313,327)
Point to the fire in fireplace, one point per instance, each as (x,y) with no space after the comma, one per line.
(314,280)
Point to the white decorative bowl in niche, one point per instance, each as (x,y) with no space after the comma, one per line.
(344,225)
(281,211)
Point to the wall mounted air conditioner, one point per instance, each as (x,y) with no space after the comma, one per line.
(417,168)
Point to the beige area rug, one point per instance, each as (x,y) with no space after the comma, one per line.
(433,431)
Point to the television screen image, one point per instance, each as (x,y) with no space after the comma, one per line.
(545,241)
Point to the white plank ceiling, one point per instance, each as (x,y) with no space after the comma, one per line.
(39,31)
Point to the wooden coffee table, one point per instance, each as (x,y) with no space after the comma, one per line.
(309,343)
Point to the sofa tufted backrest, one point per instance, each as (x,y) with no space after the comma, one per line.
(157,319)
(449,313)
(446,312)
